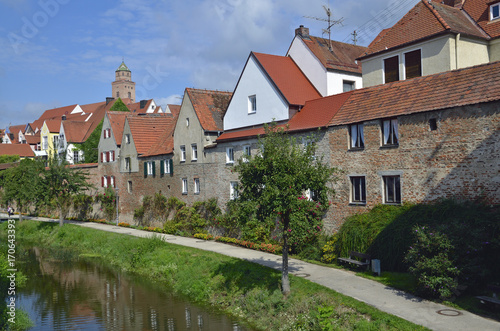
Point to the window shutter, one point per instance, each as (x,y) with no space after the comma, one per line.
(162,170)
(102,156)
(108,156)
(171,163)
(145,169)
(154,168)
(102,181)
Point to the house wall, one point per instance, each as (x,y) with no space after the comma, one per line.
(128,150)
(270,104)
(310,65)
(494,50)
(336,81)
(472,52)
(458,160)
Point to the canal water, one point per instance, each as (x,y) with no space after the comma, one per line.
(86,295)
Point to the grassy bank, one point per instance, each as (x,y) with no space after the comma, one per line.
(243,289)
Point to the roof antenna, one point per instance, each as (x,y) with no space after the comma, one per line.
(354,37)
(330,23)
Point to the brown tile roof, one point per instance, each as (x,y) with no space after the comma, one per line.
(423,21)
(54,125)
(51,114)
(147,129)
(174,109)
(210,107)
(479,11)
(117,121)
(456,88)
(23,150)
(342,56)
(288,78)
(17,128)
(136,107)
(76,132)
(33,139)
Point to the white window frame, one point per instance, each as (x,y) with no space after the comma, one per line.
(196,186)
(233,190)
(385,189)
(229,155)
(150,168)
(105,181)
(194,152)
(104,157)
(361,185)
(252,104)
(127,163)
(166,166)
(183,153)
(184,186)
(127,138)
(247,151)
(356,136)
(129,186)
(492,7)
(390,132)
(112,181)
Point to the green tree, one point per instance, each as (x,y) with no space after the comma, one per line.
(89,147)
(275,181)
(22,184)
(60,183)
(119,106)
(9,158)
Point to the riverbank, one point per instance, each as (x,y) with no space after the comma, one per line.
(245,290)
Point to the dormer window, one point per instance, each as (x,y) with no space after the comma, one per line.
(494,11)
(391,69)
(252,104)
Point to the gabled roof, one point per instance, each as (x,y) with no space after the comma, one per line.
(174,109)
(146,130)
(51,114)
(53,125)
(342,56)
(137,109)
(210,107)
(123,67)
(288,78)
(23,150)
(449,89)
(165,143)
(425,20)
(17,128)
(33,139)
(117,121)
(76,132)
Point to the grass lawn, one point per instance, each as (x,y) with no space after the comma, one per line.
(245,290)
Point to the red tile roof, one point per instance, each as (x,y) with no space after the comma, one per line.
(288,78)
(165,142)
(54,125)
(117,121)
(210,107)
(33,139)
(174,109)
(479,11)
(147,129)
(468,86)
(342,56)
(440,91)
(76,132)
(23,150)
(425,20)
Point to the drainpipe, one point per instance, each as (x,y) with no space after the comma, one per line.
(457,38)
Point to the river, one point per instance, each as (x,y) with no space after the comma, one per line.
(64,293)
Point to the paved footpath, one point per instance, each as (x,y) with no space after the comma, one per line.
(426,313)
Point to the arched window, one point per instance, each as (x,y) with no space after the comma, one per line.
(129,95)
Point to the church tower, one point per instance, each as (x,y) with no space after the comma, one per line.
(123,86)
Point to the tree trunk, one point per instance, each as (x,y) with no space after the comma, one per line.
(285,281)
(61,217)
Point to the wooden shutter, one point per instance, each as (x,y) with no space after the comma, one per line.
(413,64)
(171,163)
(391,69)
(154,168)
(162,169)
(102,181)
(145,169)
(102,156)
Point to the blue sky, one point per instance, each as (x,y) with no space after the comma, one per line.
(55,53)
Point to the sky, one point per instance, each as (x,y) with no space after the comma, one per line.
(56,53)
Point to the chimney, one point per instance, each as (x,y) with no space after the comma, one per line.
(143,103)
(302,31)
(109,99)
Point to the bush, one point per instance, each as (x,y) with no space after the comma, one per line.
(108,203)
(329,249)
(429,260)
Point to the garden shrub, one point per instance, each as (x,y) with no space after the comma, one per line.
(82,206)
(329,255)
(429,260)
(108,203)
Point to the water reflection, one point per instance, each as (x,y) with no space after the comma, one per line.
(83,295)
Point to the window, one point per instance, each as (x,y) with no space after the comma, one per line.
(166,167)
(413,64)
(108,181)
(104,181)
(117,94)
(196,186)
(357,136)
(149,169)
(358,189)
(184,186)
(229,155)
(104,157)
(311,195)
(433,124)
(233,190)
(348,85)
(390,132)
(127,163)
(252,104)
(45,143)
(194,152)
(187,121)
(129,95)
(247,151)
(129,186)
(55,140)
(183,153)
(392,189)
(112,181)
(391,69)
(76,156)
(127,138)
(494,11)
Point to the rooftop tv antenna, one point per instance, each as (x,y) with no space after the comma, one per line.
(330,23)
